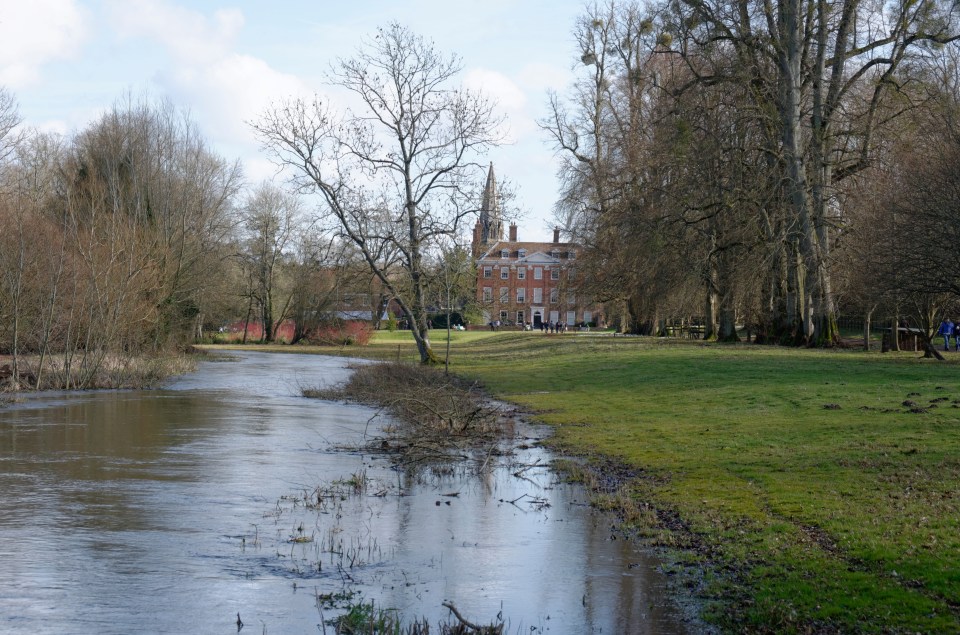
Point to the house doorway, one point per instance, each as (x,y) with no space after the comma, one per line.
(537,318)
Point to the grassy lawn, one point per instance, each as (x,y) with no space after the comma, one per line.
(812,496)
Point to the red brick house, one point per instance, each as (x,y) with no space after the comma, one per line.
(525,283)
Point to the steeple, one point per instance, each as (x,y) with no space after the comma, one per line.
(490,222)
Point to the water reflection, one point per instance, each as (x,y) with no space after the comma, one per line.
(171,511)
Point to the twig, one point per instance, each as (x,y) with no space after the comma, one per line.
(462,619)
(518,473)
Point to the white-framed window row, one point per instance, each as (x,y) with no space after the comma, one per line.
(571,298)
(522,273)
(571,318)
(521,296)
(504,273)
(488,294)
(554,296)
(538,273)
(554,274)
(537,295)
(488,272)
(504,295)
(520,317)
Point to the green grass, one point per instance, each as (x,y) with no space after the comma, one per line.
(813,499)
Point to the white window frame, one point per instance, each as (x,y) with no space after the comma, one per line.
(488,272)
(522,273)
(521,295)
(538,295)
(538,273)
(488,294)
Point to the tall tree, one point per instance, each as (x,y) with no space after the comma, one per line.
(397,175)
(271,219)
(819,73)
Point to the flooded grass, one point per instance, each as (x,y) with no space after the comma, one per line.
(433,417)
(365,618)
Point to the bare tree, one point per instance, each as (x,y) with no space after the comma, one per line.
(270,221)
(397,175)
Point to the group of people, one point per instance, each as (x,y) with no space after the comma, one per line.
(553,327)
(950,329)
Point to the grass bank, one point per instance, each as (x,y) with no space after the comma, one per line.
(818,491)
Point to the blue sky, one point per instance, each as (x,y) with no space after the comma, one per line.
(66,61)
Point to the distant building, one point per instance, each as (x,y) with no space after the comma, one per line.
(521,283)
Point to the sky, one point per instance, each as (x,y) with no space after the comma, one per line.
(68,61)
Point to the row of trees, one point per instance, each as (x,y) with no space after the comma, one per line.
(131,236)
(151,234)
(109,238)
(736,160)
(763,162)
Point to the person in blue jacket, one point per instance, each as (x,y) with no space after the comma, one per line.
(946,330)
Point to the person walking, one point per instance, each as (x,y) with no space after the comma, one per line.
(956,334)
(946,330)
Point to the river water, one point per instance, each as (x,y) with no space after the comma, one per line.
(175,510)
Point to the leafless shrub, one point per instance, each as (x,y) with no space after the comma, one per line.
(433,415)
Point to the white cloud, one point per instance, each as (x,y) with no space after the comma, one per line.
(511,100)
(35,33)
(540,78)
(230,91)
(187,34)
(224,88)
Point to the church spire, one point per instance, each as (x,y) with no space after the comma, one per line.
(490,221)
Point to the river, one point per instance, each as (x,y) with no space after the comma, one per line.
(226,493)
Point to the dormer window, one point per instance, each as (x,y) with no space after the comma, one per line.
(571,255)
(522,253)
(555,254)
(504,253)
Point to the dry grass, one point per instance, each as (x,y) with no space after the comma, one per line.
(109,372)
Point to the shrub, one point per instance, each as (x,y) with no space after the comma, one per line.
(342,333)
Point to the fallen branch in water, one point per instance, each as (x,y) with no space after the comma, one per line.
(484,630)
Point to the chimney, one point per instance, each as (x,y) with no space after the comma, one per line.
(513,232)
(556,234)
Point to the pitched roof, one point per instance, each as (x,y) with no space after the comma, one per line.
(531,248)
